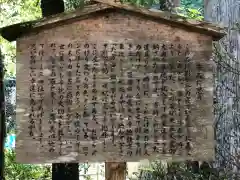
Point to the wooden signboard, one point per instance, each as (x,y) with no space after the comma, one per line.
(86,92)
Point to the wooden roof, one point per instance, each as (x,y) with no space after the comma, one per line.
(12,32)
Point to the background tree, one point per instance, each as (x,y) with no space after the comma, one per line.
(227,57)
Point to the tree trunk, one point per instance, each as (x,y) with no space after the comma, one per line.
(51,7)
(2,118)
(226,12)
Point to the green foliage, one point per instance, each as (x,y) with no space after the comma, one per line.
(142,3)
(84,168)
(14,12)
(195,4)
(189,13)
(74,4)
(192,9)
(178,170)
(15,171)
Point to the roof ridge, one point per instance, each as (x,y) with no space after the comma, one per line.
(211,28)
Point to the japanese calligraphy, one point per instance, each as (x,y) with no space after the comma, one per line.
(114,100)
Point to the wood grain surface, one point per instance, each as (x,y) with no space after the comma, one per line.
(115,29)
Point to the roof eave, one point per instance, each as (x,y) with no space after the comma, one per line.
(12,32)
(15,31)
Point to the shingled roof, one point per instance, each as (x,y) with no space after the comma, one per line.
(12,32)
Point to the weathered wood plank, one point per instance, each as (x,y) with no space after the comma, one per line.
(111,28)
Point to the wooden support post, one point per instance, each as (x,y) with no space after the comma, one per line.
(65,171)
(2,118)
(115,170)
